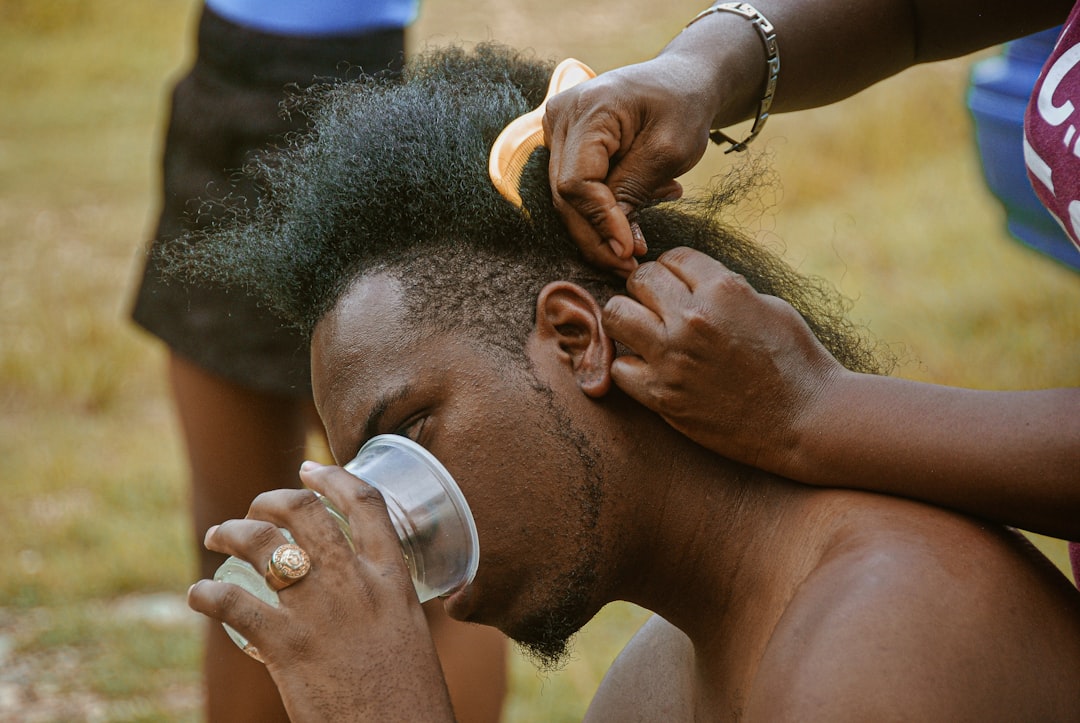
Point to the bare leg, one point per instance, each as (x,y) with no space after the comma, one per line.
(239,443)
(473,659)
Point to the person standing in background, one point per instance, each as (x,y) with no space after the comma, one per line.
(239,376)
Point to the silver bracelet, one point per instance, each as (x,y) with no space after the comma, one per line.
(772,51)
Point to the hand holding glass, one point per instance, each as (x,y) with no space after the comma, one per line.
(429,513)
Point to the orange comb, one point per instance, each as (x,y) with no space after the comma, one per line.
(525,134)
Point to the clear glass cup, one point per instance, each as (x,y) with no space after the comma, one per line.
(427,509)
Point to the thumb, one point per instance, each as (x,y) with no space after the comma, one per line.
(631,374)
(647,172)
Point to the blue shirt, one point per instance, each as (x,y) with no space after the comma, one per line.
(317,17)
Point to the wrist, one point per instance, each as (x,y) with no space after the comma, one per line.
(735,53)
(812,426)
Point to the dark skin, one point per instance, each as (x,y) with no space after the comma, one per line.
(622,139)
(794,603)
(736,370)
(700,334)
(255,442)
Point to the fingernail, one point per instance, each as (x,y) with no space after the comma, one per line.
(616,246)
(641,246)
(209,532)
(309,465)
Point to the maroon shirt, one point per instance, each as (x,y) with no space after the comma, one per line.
(1052,130)
(1052,146)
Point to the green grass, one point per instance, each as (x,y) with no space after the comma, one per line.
(880,194)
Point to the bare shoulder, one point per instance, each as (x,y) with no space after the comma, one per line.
(650,680)
(936,618)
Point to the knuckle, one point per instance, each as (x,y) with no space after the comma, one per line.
(559,104)
(730,284)
(596,214)
(283,500)
(667,399)
(552,112)
(583,196)
(663,150)
(575,107)
(589,103)
(679,403)
(262,501)
(738,281)
(675,256)
(614,310)
(365,495)
(228,597)
(782,308)
(632,190)
(304,500)
(642,274)
(265,535)
(697,320)
(569,187)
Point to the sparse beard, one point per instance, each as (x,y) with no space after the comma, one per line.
(547,656)
(545,637)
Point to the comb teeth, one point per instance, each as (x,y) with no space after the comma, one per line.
(507,160)
(524,134)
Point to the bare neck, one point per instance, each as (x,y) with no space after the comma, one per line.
(716,548)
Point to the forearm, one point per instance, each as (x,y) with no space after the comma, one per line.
(1008,456)
(831,49)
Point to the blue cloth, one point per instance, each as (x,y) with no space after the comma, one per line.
(317,17)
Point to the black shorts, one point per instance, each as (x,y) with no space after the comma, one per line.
(224,109)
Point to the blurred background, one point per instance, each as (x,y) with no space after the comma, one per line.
(882,195)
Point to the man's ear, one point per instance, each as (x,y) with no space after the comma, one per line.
(568,315)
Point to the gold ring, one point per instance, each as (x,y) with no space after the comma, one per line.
(287,564)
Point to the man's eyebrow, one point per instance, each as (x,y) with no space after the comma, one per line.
(378,409)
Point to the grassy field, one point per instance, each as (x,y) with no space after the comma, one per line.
(881,194)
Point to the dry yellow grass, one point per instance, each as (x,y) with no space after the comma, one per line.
(880,194)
